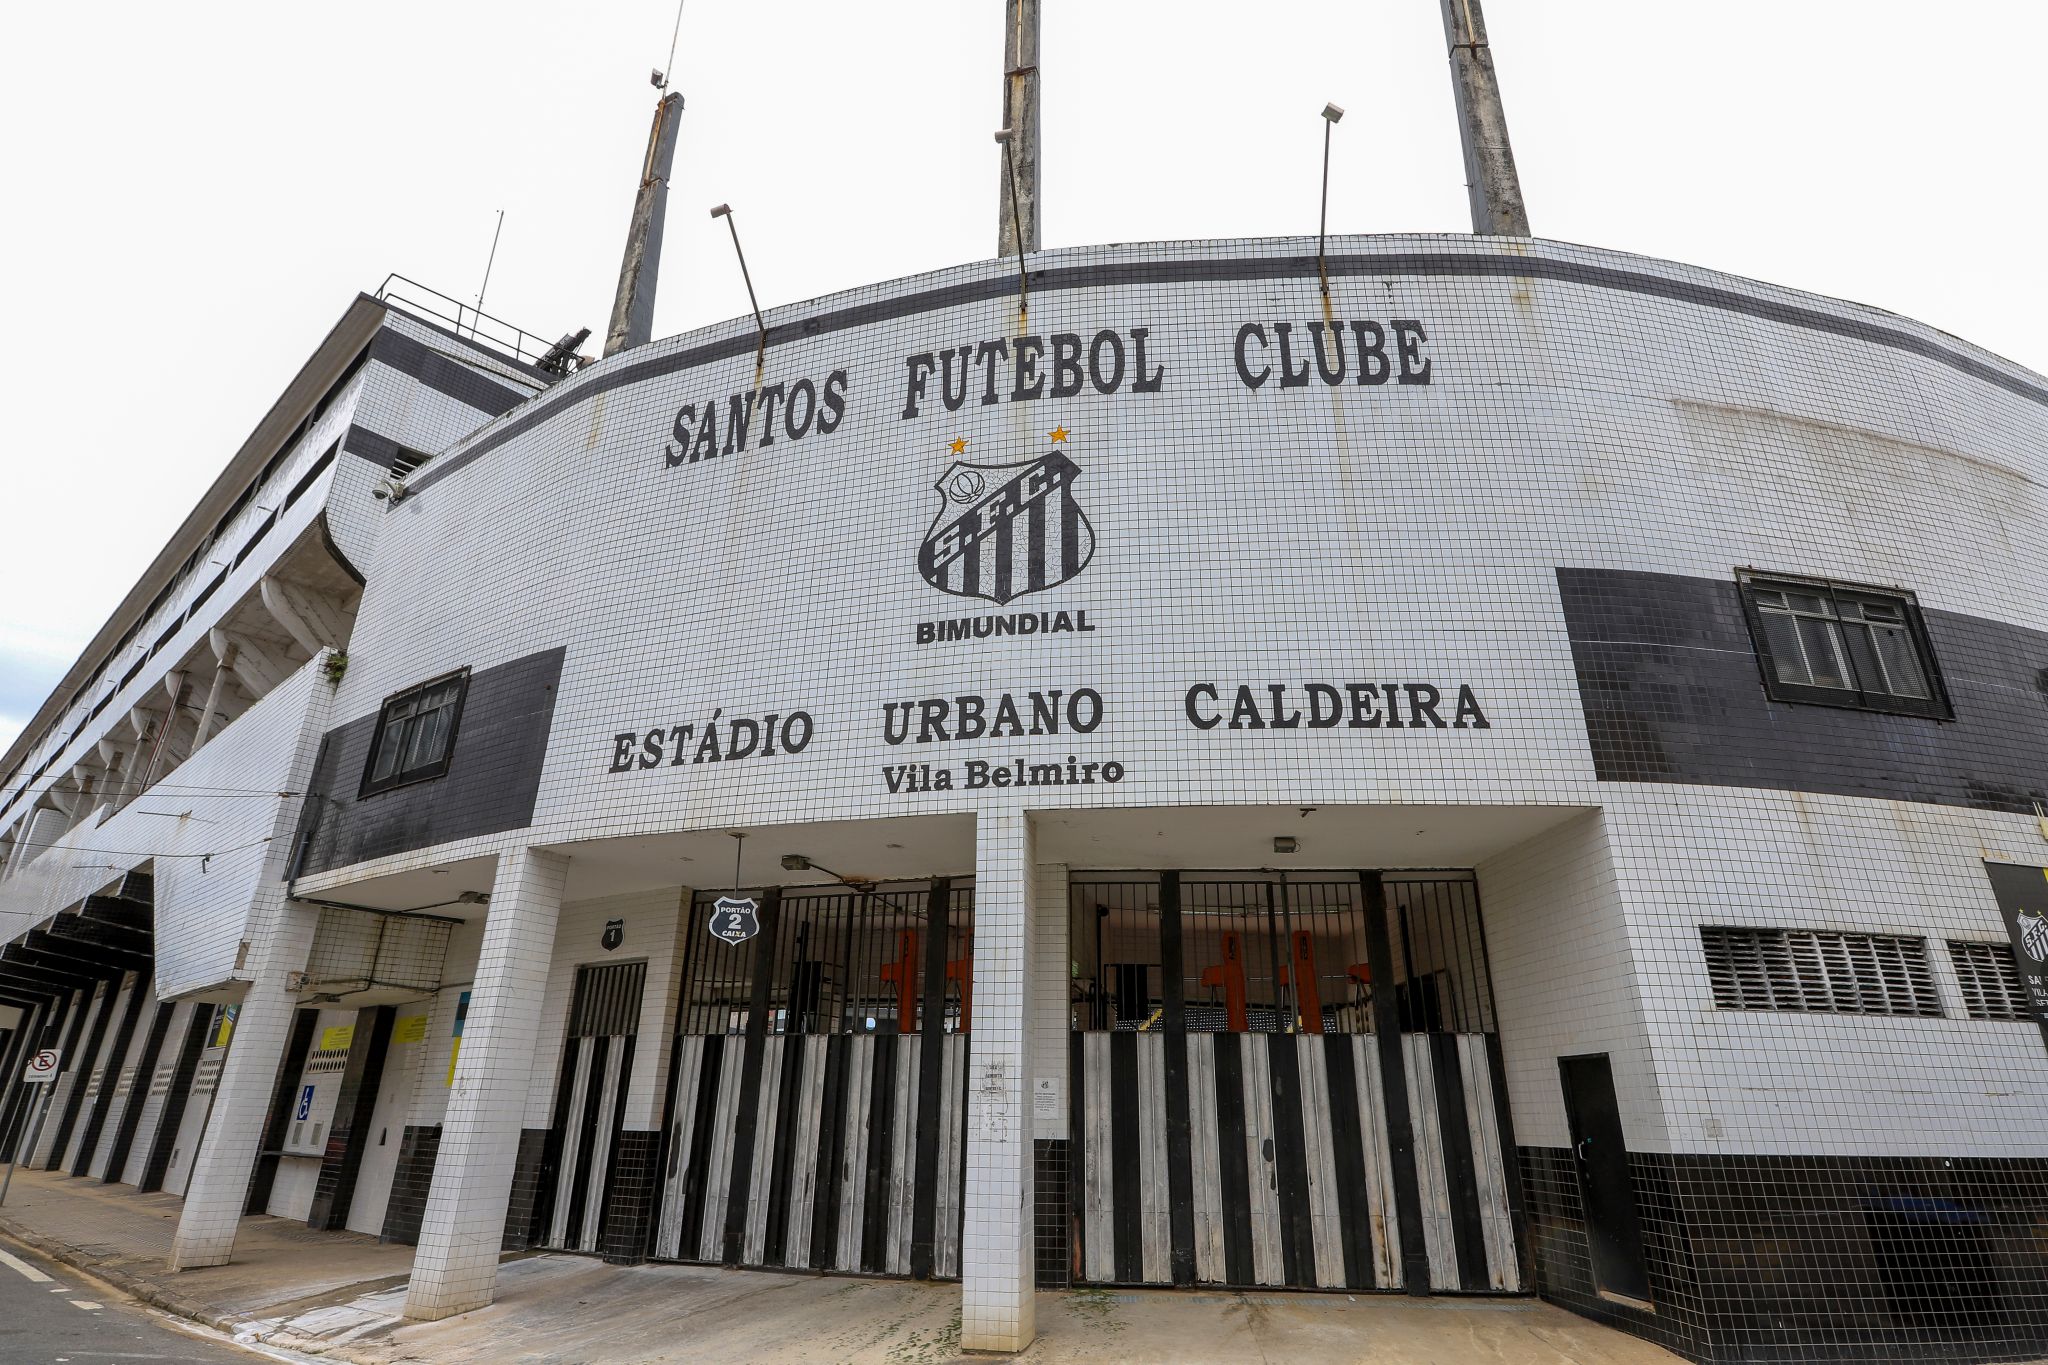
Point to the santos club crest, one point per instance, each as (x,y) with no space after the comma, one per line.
(1004,530)
(2034,935)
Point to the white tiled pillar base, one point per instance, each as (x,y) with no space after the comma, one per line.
(996,1311)
(455,1267)
(219,1184)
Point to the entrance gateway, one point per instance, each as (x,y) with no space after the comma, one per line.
(1288,1080)
(1230,1115)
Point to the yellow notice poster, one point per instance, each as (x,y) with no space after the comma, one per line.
(337,1039)
(411,1029)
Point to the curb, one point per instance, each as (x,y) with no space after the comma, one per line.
(135,1286)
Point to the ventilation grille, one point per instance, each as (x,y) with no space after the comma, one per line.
(1990,982)
(405,461)
(1819,971)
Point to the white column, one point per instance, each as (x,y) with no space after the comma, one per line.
(219,1184)
(1052,1009)
(997,1306)
(455,1268)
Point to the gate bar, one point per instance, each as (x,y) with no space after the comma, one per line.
(924,1208)
(1180,1173)
(747,1118)
(1386,1024)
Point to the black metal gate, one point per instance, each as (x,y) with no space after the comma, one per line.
(1232,1117)
(590,1101)
(818,1089)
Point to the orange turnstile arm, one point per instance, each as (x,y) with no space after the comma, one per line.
(961,969)
(902,973)
(1229,975)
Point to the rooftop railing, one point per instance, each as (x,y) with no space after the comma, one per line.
(465,320)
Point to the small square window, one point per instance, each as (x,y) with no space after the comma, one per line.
(415,734)
(1840,644)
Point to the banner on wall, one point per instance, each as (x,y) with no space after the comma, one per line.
(2022,894)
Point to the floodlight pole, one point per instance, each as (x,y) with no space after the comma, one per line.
(1331,113)
(1017,218)
(1006,136)
(632,321)
(761,328)
(1494,188)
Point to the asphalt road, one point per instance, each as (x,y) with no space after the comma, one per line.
(48,1313)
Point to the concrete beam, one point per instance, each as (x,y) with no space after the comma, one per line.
(314,619)
(60,947)
(22,973)
(126,914)
(255,666)
(98,932)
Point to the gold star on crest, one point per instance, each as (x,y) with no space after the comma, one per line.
(959,445)
(1059,434)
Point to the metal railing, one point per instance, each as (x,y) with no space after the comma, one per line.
(465,320)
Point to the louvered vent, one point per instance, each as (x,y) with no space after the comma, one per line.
(1990,982)
(1819,971)
(406,460)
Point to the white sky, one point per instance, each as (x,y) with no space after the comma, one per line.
(194,192)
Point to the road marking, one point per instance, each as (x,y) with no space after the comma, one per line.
(84,1303)
(23,1268)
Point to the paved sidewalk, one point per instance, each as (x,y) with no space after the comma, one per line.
(124,1238)
(339,1296)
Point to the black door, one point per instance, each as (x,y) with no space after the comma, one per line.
(1613,1233)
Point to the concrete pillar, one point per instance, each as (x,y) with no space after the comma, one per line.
(1020,116)
(1052,1009)
(997,1306)
(219,1185)
(455,1268)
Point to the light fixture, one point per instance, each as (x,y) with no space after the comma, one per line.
(795,862)
(1285,843)
(760,328)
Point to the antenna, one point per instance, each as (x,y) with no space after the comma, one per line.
(491,261)
(660,78)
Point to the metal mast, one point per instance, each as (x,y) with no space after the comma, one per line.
(633,308)
(1496,192)
(1020,116)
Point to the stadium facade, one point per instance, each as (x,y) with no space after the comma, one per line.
(1517,775)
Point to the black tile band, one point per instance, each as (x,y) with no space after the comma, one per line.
(1451,264)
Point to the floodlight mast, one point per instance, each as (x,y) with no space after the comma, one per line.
(632,321)
(1490,179)
(1017,206)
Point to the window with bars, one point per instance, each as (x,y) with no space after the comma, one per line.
(1819,971)
(1838,644)
(1990,980)
(415,734)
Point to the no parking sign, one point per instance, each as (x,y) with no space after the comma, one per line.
(42,1068)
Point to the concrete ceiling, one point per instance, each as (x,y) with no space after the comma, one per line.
(1215,838)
